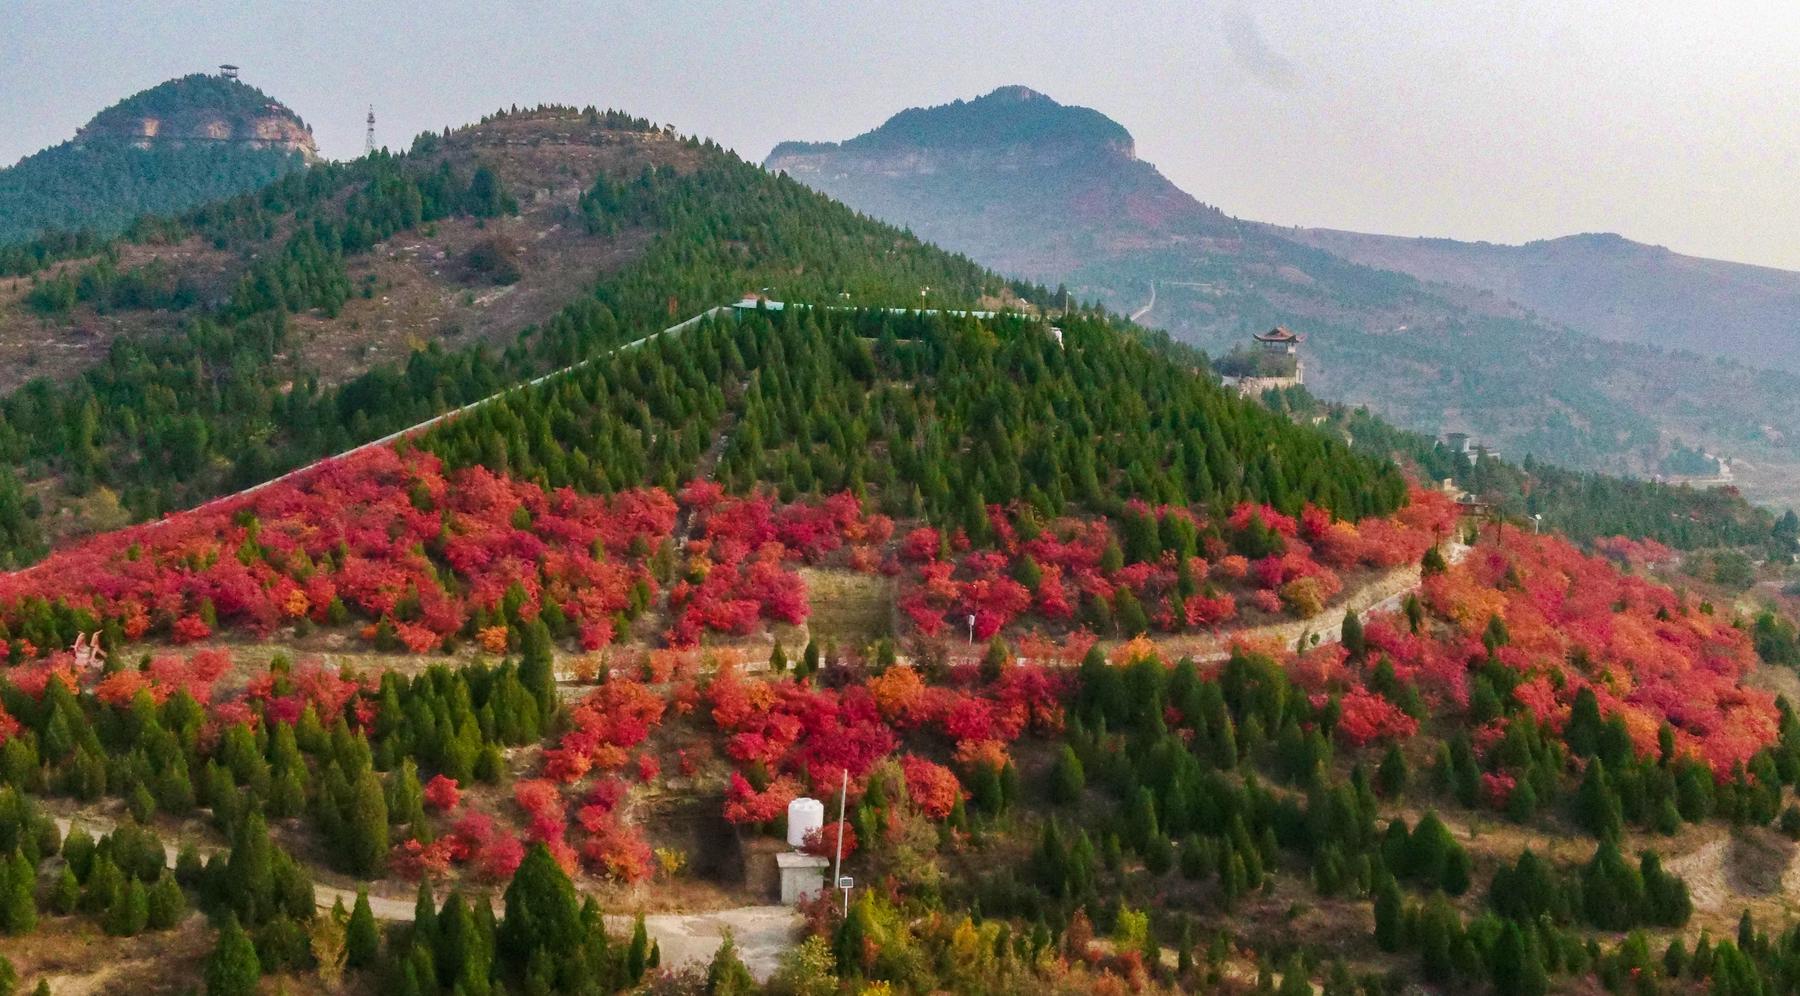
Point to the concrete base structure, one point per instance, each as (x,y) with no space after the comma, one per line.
(802,875)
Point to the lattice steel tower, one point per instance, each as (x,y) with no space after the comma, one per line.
(369,136)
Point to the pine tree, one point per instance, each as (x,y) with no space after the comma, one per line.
(130,911)
(1068,779)
(726,974)
(637,956)
(233,969)
(1388,913)
(167,904)
(18,903)
(1516,969)
(542,915)
(362,942)
(365,826)
(1597,806)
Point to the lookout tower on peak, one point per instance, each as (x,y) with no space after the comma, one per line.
(228,71)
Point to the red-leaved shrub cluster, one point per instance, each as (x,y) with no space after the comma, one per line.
(1179,572)
(1575,621)
(386,537)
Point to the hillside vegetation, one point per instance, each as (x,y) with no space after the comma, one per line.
(511,704)
(357,299)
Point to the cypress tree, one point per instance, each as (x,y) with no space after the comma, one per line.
(537,667)
(65,894)
(1665,894)
(1391,775)
(1597,806)
(250,872)
(1352,636)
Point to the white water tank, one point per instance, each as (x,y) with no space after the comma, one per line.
(804,816)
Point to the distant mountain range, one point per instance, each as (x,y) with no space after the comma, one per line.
(169,148)
(1584,350)
(1609,286)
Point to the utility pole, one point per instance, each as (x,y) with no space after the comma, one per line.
(837,864)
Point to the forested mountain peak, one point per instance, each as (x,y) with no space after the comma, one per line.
(166,149)
(201,108)
(1008,117)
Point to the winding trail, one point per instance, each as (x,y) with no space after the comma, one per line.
(1145,310)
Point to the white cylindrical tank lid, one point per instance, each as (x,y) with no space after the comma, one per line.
(803,817)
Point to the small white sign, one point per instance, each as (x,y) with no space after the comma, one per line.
(846,882)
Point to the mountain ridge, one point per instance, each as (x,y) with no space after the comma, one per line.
(1607,285)
(1433,354)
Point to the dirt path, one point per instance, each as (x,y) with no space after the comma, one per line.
(1145,310)
(762,934)
(1384,592)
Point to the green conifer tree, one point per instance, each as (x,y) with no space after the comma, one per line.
(233,968)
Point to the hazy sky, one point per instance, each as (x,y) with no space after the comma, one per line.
(1672,123)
